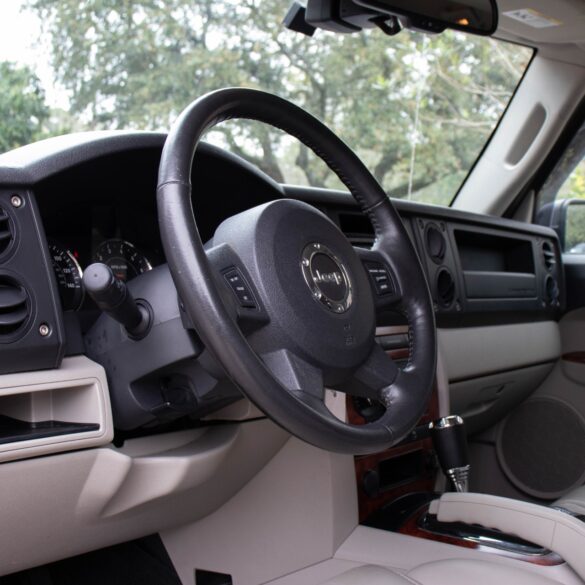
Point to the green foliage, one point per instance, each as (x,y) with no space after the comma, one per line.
(431,100)
(22,106)
(574,186)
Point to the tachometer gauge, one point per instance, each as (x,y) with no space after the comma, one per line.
(68,273)
(123,258)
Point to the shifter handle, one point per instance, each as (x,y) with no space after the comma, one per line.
(450,443)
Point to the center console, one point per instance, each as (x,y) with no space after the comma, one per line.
(407,467)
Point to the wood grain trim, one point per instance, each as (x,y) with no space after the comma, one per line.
(412,528)
(575,357)
(399,354)
(396,330)
(425,482)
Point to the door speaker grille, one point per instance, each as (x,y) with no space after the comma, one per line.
(541,448)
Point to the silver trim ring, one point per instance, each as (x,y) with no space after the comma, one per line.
(335,306)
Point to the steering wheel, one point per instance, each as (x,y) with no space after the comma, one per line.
(283,301)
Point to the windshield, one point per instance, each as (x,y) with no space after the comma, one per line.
(418,109)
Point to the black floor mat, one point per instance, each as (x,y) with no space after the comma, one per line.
(140,562)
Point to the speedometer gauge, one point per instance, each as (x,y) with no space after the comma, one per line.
(123,258)
(68,274)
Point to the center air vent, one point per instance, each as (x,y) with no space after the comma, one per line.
(548,256)
(6,232)
(357,229)
(14,308)
(445,289)
(436,244)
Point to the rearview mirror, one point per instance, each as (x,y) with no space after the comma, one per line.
(472,16)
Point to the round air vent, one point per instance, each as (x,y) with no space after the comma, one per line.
(14,309)
(436,244)
(6,232)
(445,288)
(548,256)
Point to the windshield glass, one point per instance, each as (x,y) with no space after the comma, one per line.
(418,109)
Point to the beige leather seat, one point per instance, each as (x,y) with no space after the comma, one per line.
(451,572)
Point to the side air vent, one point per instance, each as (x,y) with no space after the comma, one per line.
(436,244)
(445,289)
(6,232)
(548,256)
(14,308)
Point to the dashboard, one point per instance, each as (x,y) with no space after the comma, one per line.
(94,200)
(480,269)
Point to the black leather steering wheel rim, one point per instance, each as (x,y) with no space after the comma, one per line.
(406,398)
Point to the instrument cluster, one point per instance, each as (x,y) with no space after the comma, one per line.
(123,257)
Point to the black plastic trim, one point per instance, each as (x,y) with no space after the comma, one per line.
(13,430)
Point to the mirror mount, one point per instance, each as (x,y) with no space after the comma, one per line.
(430,16)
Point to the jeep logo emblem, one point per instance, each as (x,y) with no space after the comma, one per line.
(326,277)
(335,277)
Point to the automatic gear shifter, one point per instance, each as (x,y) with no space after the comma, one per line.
(450,443)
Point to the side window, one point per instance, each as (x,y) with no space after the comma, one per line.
(561,201)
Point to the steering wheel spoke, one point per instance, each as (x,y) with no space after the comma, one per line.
(239,294)
(383,282)
(375,375)
(295,374)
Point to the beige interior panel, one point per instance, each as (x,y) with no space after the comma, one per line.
(77,392)
(567,380)
(296,512)
(59,506)
(486,400)
(555,89)
(478,351)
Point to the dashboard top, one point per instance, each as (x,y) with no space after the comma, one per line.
(96,193)
(37,162)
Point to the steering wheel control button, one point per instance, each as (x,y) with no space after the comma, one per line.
(380,278)
(242,291)
(327,278)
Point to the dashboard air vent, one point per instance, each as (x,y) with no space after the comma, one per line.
(436,244)
(14,307)
(445,289)
(357,229)
(548,256)
(6,235)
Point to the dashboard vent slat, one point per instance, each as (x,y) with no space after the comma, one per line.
(14,307)
(11,297)
(548,256)
(357,228)
(6,234)
(13,319)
